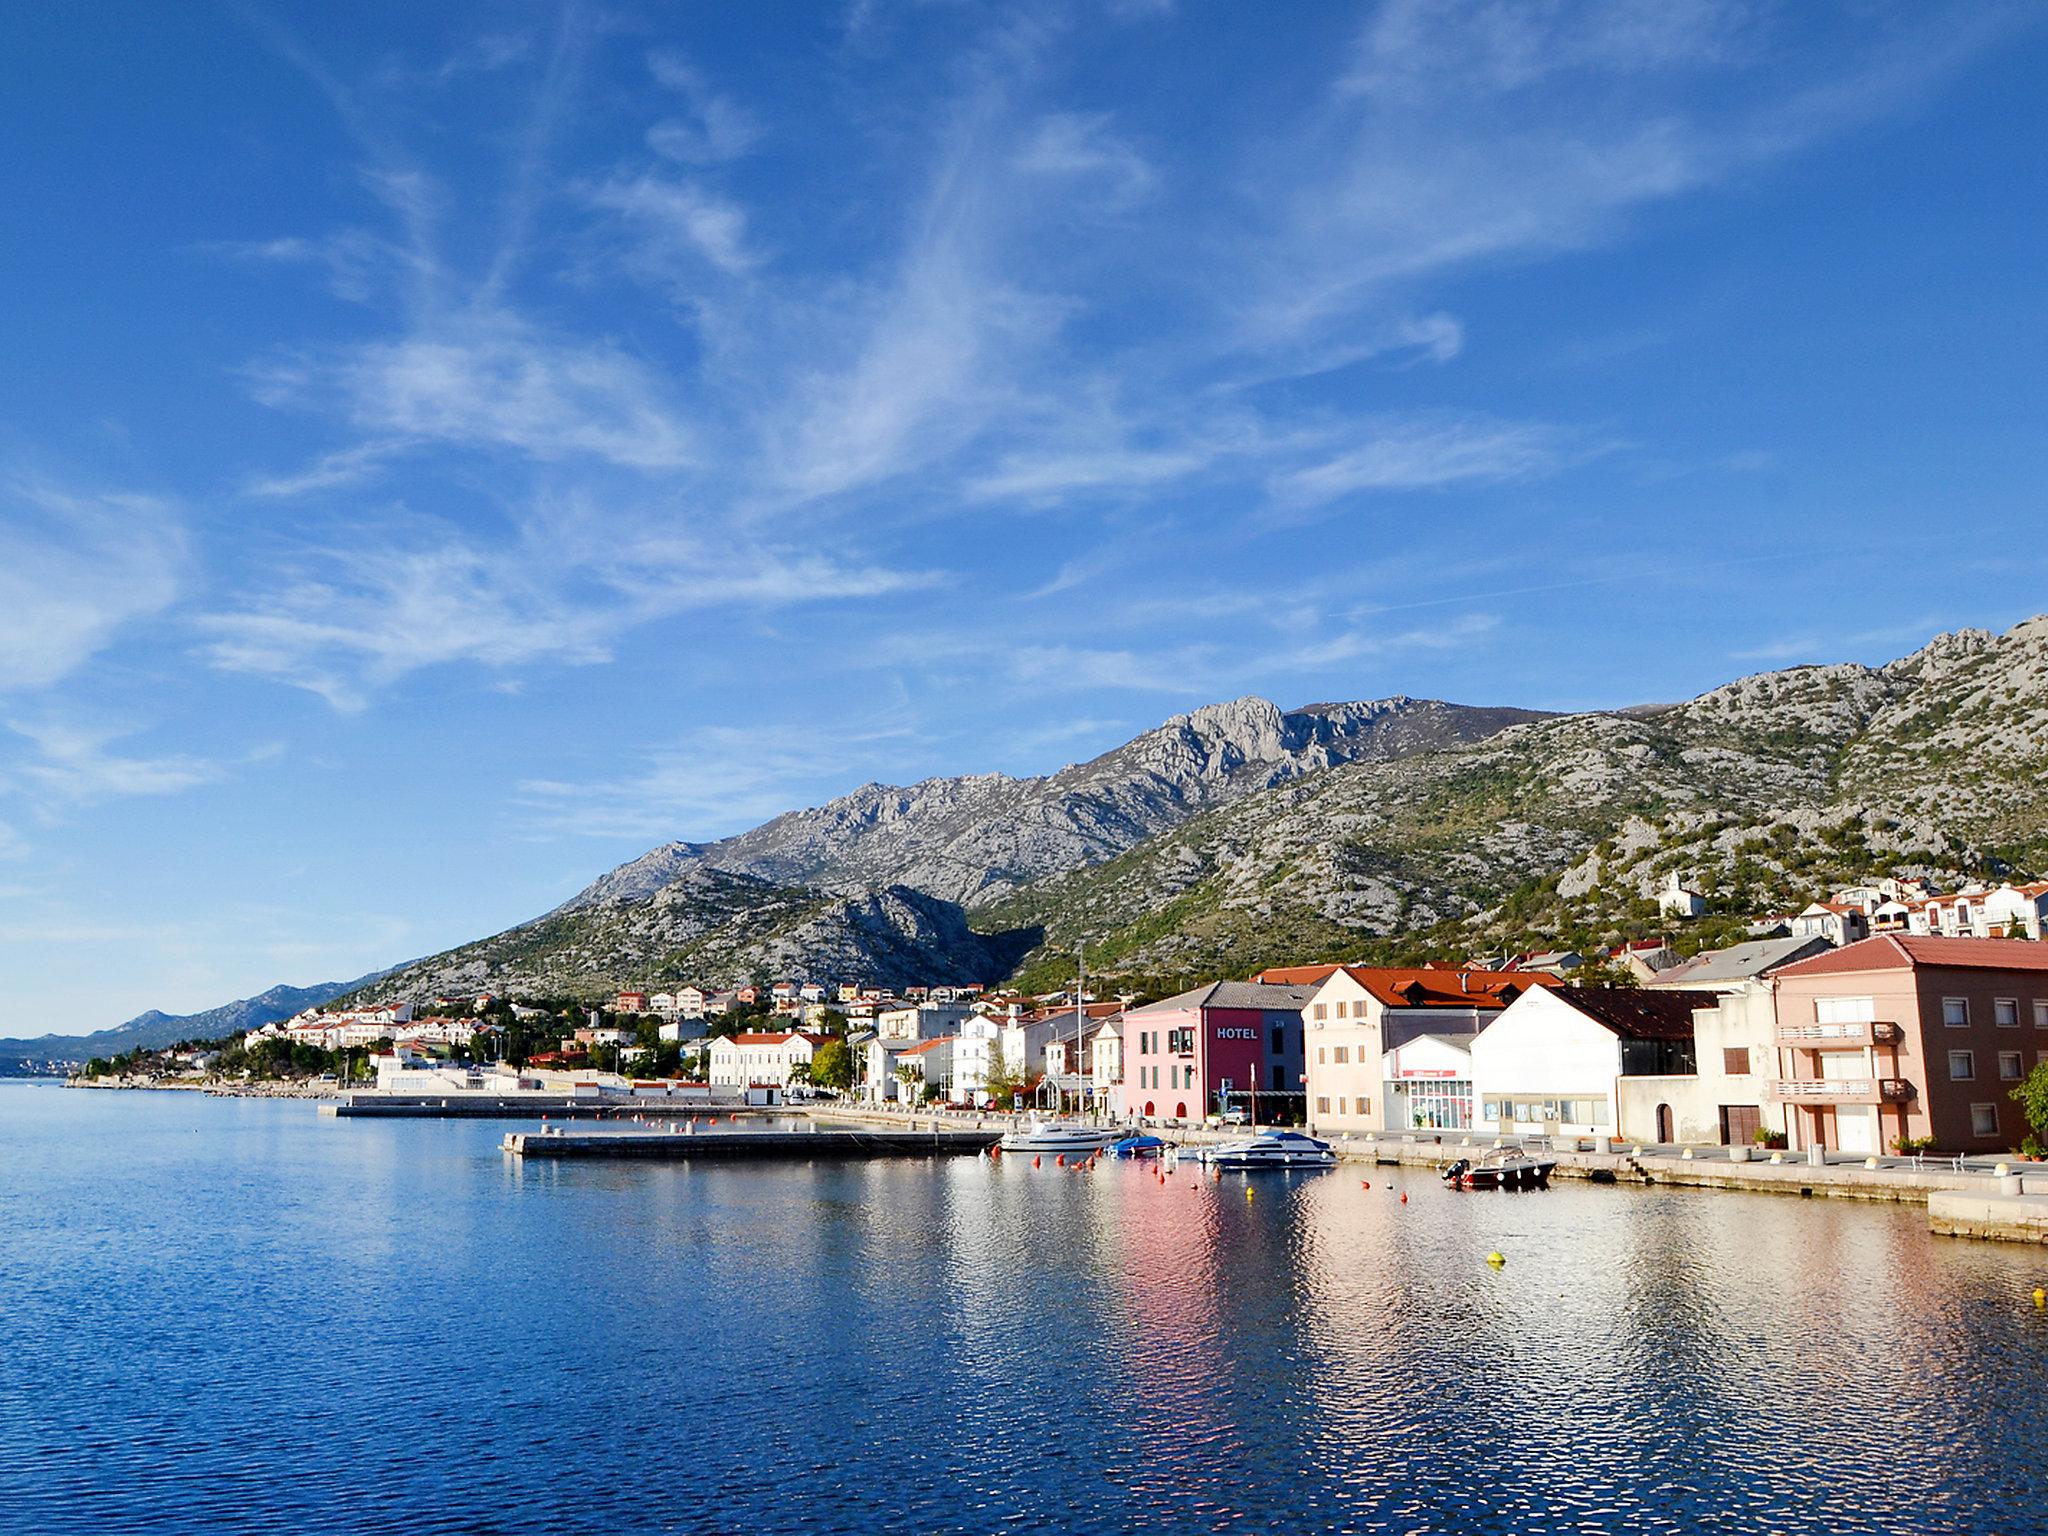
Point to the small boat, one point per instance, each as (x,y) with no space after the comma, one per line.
(1139,1146)
(1036,1135)
(1503,1170)
(1271,1149)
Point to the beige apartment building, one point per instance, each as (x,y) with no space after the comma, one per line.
(1364,1027)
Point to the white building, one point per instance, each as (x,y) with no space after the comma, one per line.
(1553,1061)
(919,1021)
(1677,899)
(927,1064)
(745,1060)
(1106,1059)
(1841,923)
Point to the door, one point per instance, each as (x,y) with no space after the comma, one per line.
(1857,1127)
(1739,1124)
(1664,1123)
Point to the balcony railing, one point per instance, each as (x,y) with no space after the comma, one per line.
(1826,1037)
(1840,1090)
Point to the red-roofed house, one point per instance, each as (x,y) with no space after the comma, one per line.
(1359,1023)
(1905,1035)
(764,1058)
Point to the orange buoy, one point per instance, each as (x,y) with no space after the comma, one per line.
(1365,1183)
(1060,1161)
(1034,1162)
(1404,1197)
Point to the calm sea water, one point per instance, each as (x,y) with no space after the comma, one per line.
(230,1316)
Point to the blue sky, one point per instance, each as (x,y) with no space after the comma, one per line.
(446,450)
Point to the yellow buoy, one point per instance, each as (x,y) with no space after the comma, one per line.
(1496,1259)
(2040,1297)
(1248,1194)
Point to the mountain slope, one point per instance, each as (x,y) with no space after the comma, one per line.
(1760,792)
(718,928)
(974,839)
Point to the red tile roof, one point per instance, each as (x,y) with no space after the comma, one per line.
(1297,975)
(1422,987)
(1901,951)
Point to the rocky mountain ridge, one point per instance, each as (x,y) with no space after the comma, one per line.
(975,838)
(1759,792)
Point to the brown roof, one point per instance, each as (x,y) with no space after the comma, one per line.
(1637,1012)
(1902,951)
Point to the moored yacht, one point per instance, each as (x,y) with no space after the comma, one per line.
(1037,1135)
(1271,1149)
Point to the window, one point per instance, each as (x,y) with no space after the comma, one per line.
(1322,1010)
(2041,1013)
(1844,1010)
(1955,1011)
(1322,1106)
(1735,1061)
(1962,1066)
(1983,1119)
(2012,1066)
(2005,1013)
(1341,1054)
(1276,1042)
(1322,1055)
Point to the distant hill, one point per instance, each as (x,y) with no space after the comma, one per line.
(154,1030)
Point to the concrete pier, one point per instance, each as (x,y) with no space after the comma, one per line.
(522,1106)
(1704,1170)
(783,1146)
(2001,1217)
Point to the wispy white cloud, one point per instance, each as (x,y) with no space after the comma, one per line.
(669,216)
(362,617)
(73,766)
(712,127)
(76,568)
(493,382)
(1428,454)
(1083,147)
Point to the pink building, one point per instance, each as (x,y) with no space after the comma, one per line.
(1905,1036)
(1234,1040)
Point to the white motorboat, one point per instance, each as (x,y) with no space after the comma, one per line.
(1037,1135)
(1271,1149)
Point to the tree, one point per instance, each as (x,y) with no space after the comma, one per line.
(800,1074)
(2032,1098)
(1005,1081)
(832,1066)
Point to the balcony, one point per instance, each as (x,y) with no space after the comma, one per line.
(1834,1037)
(1840,1090)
